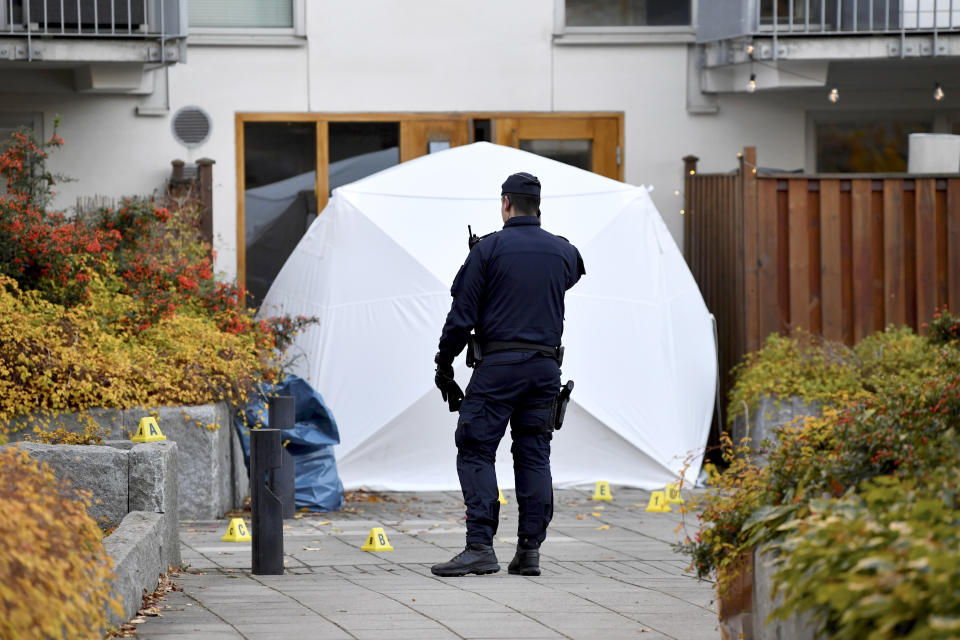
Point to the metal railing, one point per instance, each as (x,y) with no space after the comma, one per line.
(724,19)
(787,17)
(152,19)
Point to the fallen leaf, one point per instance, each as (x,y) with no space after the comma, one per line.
(580,516)
(595,514)
(603,527)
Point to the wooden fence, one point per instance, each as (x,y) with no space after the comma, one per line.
(838,255)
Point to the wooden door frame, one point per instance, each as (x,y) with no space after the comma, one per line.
(322,120)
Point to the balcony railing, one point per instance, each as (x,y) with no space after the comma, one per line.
(725,19)
(148,19)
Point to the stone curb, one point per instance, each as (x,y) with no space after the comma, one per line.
(137,549)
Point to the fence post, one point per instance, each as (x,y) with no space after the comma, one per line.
(689,170)
(749,333)
(205,178)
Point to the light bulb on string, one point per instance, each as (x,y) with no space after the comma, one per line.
(938,92)
(752,85)
(834,95)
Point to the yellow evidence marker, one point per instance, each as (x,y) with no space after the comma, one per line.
(501,499)
(602,492)
(377,541)
(658,503)
(237,531)
(148,431)
(673,494)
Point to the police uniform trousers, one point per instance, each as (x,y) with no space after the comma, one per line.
(515,387)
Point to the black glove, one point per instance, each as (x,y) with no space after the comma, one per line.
(449,389)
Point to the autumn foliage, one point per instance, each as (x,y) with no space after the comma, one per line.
(54,572)
(117,306)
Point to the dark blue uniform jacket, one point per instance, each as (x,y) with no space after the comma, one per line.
(511,288)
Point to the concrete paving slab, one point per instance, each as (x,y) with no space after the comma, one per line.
(621,582)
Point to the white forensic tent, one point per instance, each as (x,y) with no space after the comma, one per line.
(376,267)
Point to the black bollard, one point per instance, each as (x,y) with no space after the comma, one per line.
(282,415)
(266,507)
(286,488)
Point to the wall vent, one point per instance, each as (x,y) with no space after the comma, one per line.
(191,126)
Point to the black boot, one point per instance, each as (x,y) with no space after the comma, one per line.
(525,563)
(476,558)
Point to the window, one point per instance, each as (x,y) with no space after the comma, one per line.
(578,153)
(358,149)
(280,175)
(627,13)
(865,147)
(241,14)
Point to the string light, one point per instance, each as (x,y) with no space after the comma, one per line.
(938,92)
(834,96)
(749,49)
(752,85)
(676,192)
(682,211)
(692,172)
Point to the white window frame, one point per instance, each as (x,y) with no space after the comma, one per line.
(564,35)
(252,36)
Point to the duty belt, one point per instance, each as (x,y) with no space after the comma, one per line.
(550,351)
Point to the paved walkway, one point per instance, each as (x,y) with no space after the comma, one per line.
(608,572)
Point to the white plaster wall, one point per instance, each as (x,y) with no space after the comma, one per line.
(430,55)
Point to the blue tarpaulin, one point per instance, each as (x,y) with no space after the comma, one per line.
(310,441)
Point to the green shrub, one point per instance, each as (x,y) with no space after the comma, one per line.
(879,562)
(798,365)
(889,424)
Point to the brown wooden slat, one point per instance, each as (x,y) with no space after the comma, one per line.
(894,273)
(940,226)
(751,250)
(862,259)
(876,252)
(813,261)
(798,255)
(846,261)
(910,252)
(953,245)
(831,260)
(783,264)
(926,252)
(737,326)
(767,296)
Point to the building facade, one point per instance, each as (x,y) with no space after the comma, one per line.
(291,98)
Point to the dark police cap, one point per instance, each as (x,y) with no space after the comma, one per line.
(521,184)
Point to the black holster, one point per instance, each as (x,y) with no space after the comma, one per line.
(558,408)
(474,351)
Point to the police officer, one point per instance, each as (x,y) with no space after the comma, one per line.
(509,292)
